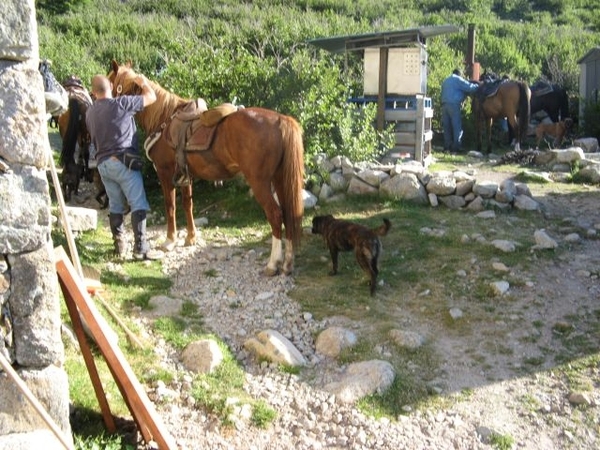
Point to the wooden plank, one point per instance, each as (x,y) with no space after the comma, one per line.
(88,358)
(140,406)
(383,63)
(400,115)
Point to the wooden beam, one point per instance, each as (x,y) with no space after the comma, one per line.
(382,89)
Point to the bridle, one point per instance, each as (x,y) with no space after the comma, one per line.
(119,83)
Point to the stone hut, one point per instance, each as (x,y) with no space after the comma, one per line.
(29,294)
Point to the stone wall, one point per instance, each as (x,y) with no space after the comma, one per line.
(410,181)
(29,298)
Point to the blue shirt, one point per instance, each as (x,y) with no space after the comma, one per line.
(111,124)
(455,89)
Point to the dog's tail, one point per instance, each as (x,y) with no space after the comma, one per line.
(382,230)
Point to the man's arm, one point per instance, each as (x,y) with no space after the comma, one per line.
(148,93)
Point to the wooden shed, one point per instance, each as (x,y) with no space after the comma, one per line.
(395,76)
(589,78)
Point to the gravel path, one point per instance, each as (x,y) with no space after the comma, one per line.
(537,411)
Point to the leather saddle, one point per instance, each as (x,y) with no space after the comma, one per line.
(192,127)
(540,88)
(489,89)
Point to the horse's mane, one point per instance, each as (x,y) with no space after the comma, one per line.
(165,105)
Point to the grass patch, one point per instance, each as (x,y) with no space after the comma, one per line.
(502,441)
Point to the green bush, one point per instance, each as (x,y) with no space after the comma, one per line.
(258,52)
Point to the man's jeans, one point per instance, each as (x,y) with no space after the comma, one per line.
(123,186)
(452,124)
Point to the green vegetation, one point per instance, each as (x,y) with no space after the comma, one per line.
(502,441)
(259,54)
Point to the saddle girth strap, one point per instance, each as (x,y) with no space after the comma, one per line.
(180,148)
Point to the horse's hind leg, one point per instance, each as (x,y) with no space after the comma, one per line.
(288,259)
(512,120)
(264,196)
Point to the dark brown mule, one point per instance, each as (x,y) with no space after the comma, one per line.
(510,100)
(263,145)
(76,142)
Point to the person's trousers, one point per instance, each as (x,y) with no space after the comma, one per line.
(452,124)
(124,187)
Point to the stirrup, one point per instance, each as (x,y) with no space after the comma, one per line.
(181,179)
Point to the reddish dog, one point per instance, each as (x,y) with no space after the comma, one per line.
(557,130)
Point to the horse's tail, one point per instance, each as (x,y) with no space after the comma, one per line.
(293,178)
(524,109)
(69,140)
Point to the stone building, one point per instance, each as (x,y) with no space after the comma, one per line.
(29,292)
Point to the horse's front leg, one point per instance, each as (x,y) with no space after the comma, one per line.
(478,125)
(188,206)
(170,209)
(488,126)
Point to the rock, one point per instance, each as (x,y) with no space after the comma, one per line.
(405,186)
(500,287)
(543,241)
(333,340)
(82,219)
(362,379)
(455,313)
(485,189)
(504,245)
(441,185)
(202,356)
(271,345)
(523,202)
(588,144)
(407,339)
(579,398)
(309,199)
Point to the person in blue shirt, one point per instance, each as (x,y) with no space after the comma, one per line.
(112,128)
(454,91)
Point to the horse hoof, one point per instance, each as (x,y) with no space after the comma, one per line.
(190,242)
(288,269)
(271,272)
(168,245)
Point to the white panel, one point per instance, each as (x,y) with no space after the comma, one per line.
(371,81)
(407,71)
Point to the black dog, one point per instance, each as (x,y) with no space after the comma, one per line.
(341,235)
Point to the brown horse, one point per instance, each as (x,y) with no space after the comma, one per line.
(263,145)
(507,99)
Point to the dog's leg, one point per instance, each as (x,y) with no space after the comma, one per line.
(374,272)
(367,260)
(334,260)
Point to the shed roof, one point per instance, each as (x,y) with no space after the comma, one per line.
(400,38)
(592,55)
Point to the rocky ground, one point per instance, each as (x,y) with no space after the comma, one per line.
(484,408)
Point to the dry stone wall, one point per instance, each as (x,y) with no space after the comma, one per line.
(29,302)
